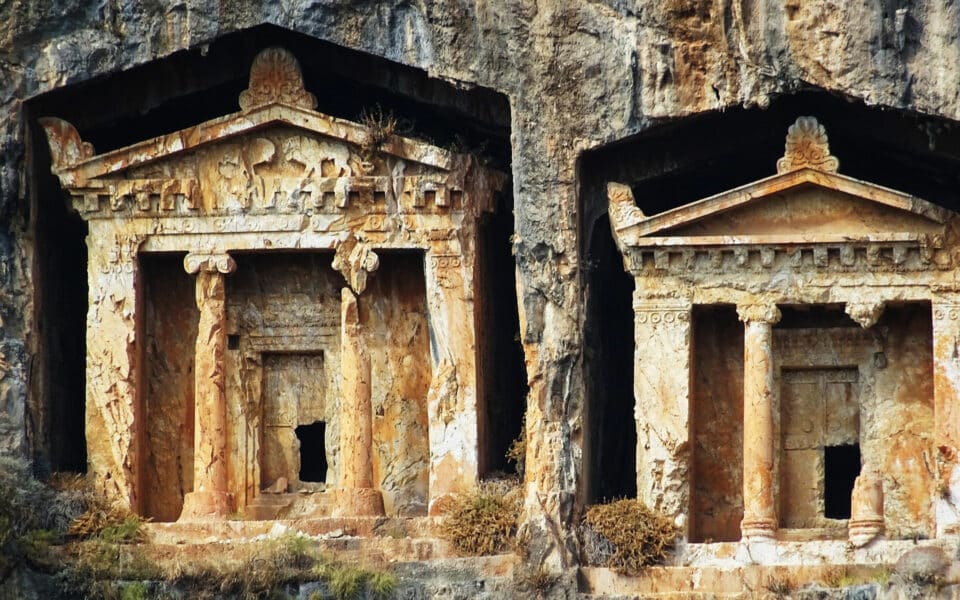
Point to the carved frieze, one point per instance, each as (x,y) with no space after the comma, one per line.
(850,258)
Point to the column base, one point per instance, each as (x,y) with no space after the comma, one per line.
(358,502)
(758,530)
(205,505)
(861,532)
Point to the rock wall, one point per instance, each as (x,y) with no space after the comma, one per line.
(578,75)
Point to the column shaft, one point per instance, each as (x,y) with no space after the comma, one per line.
(356,495)
(946,411)
(356,418)
(759,512)
(209,498)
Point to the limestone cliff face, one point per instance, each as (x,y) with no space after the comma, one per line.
(579,74)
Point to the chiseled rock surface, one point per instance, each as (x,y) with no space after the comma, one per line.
(578,75)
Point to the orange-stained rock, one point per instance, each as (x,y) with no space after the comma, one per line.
(384,402)
(862,363)
(866,507)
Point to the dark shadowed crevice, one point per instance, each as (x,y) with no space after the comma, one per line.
(611,440)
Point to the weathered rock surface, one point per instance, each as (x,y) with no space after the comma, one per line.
(578,75)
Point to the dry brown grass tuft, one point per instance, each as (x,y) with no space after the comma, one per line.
(110,521)
(380,127)
(626,536)
(484,522)
(517,452)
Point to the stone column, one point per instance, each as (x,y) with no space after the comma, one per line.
(114,418)
(356,495)
(661,387)
(454,386)
(209,498)
(946,411)
(759,509)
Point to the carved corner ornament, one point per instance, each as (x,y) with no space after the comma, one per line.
(209,263)
(807,147)
(66,147)
(622,208)
(355,260)
(275,77)
(865,313)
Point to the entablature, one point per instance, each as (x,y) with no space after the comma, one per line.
(276,165)
(806,224)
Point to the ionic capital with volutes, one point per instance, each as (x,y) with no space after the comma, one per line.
(222,262)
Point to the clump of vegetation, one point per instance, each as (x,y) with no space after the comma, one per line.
(380,125)
(348,582)
(484,522)
(535,581)
(33,516)
(248,571)
(627,536)
(92,567)
(108,521)
(778,588)
(517,452)
(96,549)
(843,576)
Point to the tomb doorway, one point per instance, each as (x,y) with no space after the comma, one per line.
(293,397)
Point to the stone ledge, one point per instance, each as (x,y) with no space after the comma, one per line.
(798,554)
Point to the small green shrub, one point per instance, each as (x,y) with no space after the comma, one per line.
(626,536)
(128,531)
(484,522)
(136,590)
(35,547)
(348,582)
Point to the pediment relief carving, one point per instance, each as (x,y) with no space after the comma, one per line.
(276,155)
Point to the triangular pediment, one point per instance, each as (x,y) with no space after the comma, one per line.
(275,99)
(807,202)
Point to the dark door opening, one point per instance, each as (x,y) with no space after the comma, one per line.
(841,468)
(610,448)
(313,452)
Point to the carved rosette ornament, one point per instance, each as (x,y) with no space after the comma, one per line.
(807,147)
(276,77)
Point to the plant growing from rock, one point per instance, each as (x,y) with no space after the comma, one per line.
(484,522)
(627,536)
